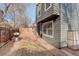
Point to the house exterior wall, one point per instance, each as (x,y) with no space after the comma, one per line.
(54,10)
(68,21)
(69,16)
(64,26)
(49,12)
(57,33)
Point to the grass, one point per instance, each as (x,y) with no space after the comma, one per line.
(31,48)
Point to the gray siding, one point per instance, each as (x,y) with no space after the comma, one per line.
(49,12)
(64,26)
(57,32)
(68,20)
(57,35)
(69,16)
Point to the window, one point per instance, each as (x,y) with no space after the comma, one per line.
(44,29)
(39,10)
(47,6)
(48,28)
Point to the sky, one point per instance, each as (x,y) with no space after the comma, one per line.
(31,12)
(1,6)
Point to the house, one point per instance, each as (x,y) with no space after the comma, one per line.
(58,24)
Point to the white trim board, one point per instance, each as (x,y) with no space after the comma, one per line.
(46,9)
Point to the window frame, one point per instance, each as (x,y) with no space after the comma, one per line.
(46,9)
(46,34)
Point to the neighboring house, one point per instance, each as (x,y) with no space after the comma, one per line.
(58,24)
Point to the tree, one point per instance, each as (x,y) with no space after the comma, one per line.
(18,13)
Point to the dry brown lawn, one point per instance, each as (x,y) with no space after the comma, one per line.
(30,45)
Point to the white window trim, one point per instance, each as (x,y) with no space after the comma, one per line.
(46,9)
(50,36)
(39,9)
